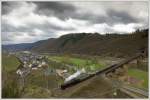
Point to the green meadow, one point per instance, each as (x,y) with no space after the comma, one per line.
(9,62)
(88,64)
(140,75)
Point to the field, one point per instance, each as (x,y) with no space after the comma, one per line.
(88,64)
(9,62)
(140,75)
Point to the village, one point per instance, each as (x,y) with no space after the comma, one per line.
(32,61)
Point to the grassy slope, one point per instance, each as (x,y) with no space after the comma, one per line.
(9,62)
(75,61)
(114,45)
(141,75)
(40,86)
(88,64)
(9,78)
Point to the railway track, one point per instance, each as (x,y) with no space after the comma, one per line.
(136,90)
(106,70)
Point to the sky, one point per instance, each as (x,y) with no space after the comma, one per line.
(26,22)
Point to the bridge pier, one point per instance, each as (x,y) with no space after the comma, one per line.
(114,71)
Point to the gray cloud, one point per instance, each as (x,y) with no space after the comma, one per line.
(67,10)
(7,7)
(120,17)
(40,20)
(59,9)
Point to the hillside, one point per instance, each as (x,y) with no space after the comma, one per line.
(91,44)
(96,44)
(21,46)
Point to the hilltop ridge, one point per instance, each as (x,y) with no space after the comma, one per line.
(90,44)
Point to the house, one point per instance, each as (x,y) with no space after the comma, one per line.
(26,52)
(43,63)
(25,65)
(23,71)
(34,66)
(61,72)
(40,65)
(30,65)
(19,72)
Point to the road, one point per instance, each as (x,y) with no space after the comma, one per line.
(136,90)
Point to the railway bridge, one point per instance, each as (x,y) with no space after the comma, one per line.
(107,71)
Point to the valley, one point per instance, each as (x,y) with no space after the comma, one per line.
(47,72)
(78,66)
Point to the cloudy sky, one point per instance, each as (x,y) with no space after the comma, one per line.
(24,22)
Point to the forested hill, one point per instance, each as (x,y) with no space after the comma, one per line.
(95,44)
